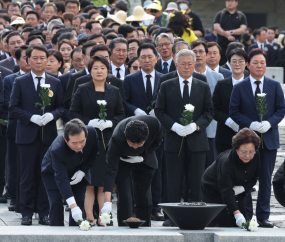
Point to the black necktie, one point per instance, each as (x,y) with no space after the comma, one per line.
(80,154)
(261,46)
(185,93)
(118,73)
(148,89)
(257,88)
(165,69)
(39,84)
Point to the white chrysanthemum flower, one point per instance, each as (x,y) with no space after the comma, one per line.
(102,102)
(122,79)
(84,225)
(261,94)
(45,85)
(189,107)
(105,218)
(253,225)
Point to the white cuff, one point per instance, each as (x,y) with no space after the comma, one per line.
(228,121)
(174,127)
(70,201)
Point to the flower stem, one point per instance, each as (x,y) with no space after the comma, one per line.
(261,135)
(103,140)
(43,127)
(181,146)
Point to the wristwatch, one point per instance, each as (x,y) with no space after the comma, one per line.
(231,32)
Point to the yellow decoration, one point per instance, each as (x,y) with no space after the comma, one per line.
(50,94)
(172,15)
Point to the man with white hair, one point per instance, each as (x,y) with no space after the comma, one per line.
(185,146)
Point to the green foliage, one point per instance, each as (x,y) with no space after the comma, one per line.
(151,107)
(246,225)
(187,117)
(45,99)
(102,113)
(163,20)
(3,122)
(261,106)
(100,2)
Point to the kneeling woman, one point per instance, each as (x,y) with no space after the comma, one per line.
(231,177)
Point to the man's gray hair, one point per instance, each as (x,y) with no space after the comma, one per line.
(55,22)
(185,53)
(163,35)
(179,43)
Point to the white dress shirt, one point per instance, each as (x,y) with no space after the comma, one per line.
(22,72)
(216,69)
(151,79)
(14,59)
(168,62)
(35,79)
(87,72)
(181,82)
(122,70)
(269,43)
(259,45)
(236,81)
(204,73)
(254,86)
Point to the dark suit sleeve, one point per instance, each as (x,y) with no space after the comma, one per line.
(128,95)
(76,84)
(68,93)
(90,161)
(219,116)
(76,107)
(1,95)
(156,141)
(249,184)
(59,111)
(7,92)
(119,111)
(204,120)
(15,104)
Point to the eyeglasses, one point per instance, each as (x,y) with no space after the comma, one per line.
(244,153)
(240,62)
(200,52)
(135,68)
(153,11)
(46,12)
(164,44)
(78,61)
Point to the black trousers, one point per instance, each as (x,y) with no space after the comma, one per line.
(141,175)
(212,153)
(56,211)
(223,147)
(32,190)
(175,169)
(3,149)
(13,155)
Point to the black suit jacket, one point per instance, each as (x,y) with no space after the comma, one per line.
(169,108)
(62,162)
(275,50)
(126,71)
(118,147)
(3,57)
(22,107)
(8,63)
(270,61)
(70,85)
(4,72)
(84,105)
(158,66)
(174,74)
(1,104)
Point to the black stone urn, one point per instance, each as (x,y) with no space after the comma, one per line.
(192,216)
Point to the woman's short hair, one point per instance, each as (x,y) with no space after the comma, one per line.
(98,58)
(65,41)
(239,52)
(68,16)
(74,127)
(57,55)
(136,131)
(245,136)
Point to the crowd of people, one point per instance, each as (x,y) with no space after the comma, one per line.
(123,82)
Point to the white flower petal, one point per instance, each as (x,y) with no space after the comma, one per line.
(45,85)
(84,225)
(189,107)
(105,218)
(261,94)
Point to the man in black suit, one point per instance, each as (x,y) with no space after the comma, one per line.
(131,155)
(102,50)
(34,140)
(69,158)
(164,44)
(86,58)
(270,41)
(12,148)
(3,199)
(172,97)
(14,41)
(119,51)
(226,127)
(260,36)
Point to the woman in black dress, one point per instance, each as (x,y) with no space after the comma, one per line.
(231,177)
(85,107)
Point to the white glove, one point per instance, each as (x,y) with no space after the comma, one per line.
(139,112)
(107,208)
(133,159)
(191,128)
(95,122)
(238,189)
(255,126)
(151,113)
(36,119)
(232,124)
(76,214)
(265,126)
(46,118)
(179,129)
(77,177)
(105,125)
(239,219)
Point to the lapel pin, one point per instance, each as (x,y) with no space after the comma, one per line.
(110,83)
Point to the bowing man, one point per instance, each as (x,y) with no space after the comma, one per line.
(174,94)
(35,130)
(131,155)
(66,170)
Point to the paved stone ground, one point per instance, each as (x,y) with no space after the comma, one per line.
(277,211)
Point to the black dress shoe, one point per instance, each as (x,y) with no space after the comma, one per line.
(12,205)
(253,189)
(3,199)
(111,223)
(12,202)
(67,208)
(26,220)
(168,223)
(264,223)
(6,195)
(157,216)
(44,220)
